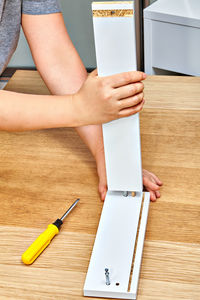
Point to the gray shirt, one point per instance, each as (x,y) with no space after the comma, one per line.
(10,22)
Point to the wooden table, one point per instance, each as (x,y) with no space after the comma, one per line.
(42,172)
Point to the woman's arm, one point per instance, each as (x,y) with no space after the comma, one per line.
(19,112)
(94,103)
(63,72)
(98,101)
(90,105)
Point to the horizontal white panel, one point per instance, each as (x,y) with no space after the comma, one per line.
(114,246)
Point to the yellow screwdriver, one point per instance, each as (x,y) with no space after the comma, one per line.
(45,238)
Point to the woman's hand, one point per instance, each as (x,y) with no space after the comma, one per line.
(151,184)
(103,99)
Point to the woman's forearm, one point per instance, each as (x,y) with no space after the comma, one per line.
(67,72)
(20,112)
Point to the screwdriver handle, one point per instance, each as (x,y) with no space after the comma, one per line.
(39,244)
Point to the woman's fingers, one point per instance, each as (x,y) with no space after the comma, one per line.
(157,194)
(158,181)
(103,99)
(126,112)
(150,184)
(152,195)
(131,101)
(122,79)
(128,90)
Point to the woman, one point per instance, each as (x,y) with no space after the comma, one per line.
(77,100)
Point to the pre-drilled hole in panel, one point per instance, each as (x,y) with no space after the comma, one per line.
(117,283)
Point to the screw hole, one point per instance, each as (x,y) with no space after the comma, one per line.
(117,283)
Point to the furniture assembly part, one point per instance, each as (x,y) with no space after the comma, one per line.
(122,153)
(171,37)
(117,251)
(116,53)
(115,245)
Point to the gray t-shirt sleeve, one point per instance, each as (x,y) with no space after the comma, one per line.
(40,7)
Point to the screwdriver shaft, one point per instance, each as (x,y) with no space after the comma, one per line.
(69,210)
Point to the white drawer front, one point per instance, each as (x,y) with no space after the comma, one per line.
(176,48)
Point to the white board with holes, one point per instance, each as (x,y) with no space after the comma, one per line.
(115,245)
(120,236)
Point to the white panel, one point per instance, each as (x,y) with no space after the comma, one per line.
(114,247)
(116,236)
(183,12)
(116,53)
(176,48)
(122,152)
(114,243)
(115,45)
(148,46)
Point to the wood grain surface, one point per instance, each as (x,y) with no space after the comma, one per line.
(43,172)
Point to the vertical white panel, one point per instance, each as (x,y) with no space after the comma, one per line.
(116,53)
(148,47)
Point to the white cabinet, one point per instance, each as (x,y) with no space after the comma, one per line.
(172,36)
